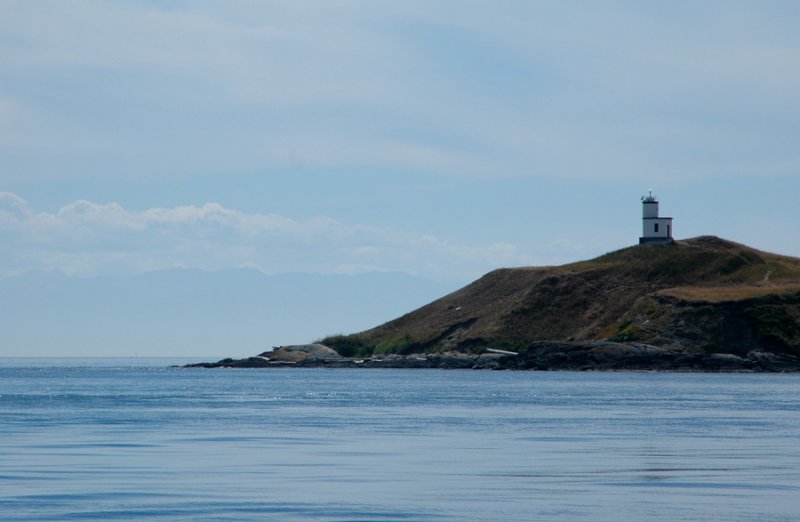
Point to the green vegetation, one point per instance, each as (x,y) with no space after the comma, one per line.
(626,335)
(348,345)
(399,344)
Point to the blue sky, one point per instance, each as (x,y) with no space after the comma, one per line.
(442,139)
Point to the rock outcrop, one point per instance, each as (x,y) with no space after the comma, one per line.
(280,356)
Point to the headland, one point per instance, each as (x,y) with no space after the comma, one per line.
(701,304)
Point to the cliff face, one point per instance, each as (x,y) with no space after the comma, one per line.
(702,295)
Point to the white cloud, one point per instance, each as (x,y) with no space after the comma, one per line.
(13,207)
(86,238)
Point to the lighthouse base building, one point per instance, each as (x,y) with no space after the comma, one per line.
(655,229)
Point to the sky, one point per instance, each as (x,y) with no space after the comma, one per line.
(441,139)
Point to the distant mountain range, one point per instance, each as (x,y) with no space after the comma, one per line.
(195,313)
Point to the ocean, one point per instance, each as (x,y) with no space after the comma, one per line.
(140,440)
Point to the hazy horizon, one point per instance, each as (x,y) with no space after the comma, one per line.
(192,313)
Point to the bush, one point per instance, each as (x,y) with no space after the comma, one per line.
(348,346)
(400,344)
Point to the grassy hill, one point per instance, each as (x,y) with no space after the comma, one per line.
(704,295)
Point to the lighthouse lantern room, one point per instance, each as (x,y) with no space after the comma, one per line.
(655,229)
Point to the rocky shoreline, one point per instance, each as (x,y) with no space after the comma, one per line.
(540,356)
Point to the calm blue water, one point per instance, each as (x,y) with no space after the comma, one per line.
(114,440)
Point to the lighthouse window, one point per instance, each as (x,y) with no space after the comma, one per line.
(656,228)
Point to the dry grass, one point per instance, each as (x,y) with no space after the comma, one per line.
(720,294)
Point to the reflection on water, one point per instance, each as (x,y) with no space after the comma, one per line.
(100,441)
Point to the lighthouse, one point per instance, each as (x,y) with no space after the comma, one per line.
(655,229)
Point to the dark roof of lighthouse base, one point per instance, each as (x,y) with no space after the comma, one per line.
(656,240)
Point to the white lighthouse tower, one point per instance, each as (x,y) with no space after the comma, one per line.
(655,229)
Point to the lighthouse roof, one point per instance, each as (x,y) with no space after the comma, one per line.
(649,198)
